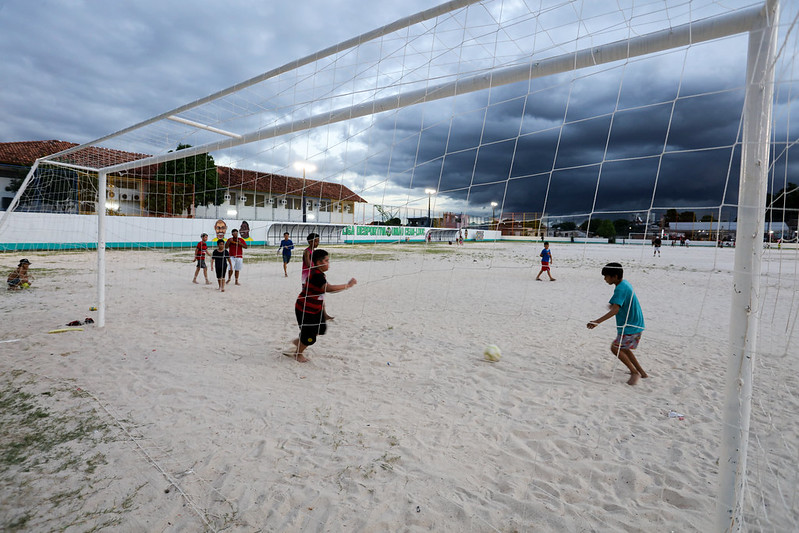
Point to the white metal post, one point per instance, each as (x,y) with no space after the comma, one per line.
(746,276)
(101,192)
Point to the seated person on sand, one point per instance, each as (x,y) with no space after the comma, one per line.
(19,277)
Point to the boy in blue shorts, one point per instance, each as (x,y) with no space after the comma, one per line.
(629,320)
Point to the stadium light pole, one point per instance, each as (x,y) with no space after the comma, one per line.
(301,165)
(493,207)
(430,193)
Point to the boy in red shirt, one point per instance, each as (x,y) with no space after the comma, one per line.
(200,252)
(235,246)
(310,305)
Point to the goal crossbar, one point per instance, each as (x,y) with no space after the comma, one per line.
(683,35)
(399,24)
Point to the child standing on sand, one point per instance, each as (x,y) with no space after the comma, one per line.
(220,260)
(310,305)
(546,259)
(200,253)
(629,320)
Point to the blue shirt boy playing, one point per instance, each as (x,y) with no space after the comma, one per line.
(286,245)
(629,320)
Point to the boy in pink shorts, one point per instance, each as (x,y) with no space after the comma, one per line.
(629,320)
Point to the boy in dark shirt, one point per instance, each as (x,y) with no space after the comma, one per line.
(220,260)
(286,246)
(310,305)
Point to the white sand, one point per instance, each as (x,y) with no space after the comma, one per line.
(397,423)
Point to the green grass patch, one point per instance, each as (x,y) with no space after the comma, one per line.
(55,435)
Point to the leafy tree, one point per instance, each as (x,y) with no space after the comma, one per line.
(17,177)
(565,226)
(198,171)
(622,226)
(708,218)
(672,215)
(687,216)
(606,229)
(590,226)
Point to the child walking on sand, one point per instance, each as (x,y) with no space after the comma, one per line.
(200,253)
(546,259)
(629,320)
(310,305)
(286,246)
(220,260)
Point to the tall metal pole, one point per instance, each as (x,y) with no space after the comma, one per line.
(746,278)
(101,192)
(304,213)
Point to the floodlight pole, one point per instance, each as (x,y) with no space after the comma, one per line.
(101,186)
(745,305)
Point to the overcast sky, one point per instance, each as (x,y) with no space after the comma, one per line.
(77,70)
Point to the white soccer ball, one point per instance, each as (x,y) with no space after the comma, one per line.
(492,353)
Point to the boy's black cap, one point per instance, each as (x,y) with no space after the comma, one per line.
(24,262)
(312,236)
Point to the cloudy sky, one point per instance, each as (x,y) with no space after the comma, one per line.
(574,142)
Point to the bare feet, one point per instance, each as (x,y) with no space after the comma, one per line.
(298,356)
(633,379)
(552,279)
(207,282)
(538,279)
(194,281)
(237,283)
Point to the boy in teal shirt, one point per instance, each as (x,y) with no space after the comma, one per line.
(629,320)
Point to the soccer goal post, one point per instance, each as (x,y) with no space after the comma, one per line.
(227,125)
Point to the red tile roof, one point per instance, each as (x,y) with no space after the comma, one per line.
(25,153)
(250,180)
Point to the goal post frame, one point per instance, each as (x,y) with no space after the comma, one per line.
(745,304)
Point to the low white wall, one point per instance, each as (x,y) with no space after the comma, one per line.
(19,231)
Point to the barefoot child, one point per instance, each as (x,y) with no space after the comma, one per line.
(310,305)
(220,260)
(546,259)
(200,253)
(629,320)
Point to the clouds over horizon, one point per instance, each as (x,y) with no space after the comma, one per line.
(653,132)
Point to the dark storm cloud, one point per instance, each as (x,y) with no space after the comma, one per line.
(80,70)
(652,132)
(654,153)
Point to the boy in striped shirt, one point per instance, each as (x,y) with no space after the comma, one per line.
(310,305)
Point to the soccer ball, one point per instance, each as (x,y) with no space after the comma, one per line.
(26,285)
(492,353)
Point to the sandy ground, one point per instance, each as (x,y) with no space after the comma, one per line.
(397,423)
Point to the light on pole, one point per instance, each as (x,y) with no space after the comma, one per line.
(493,208)
(430,193)
(301,165)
